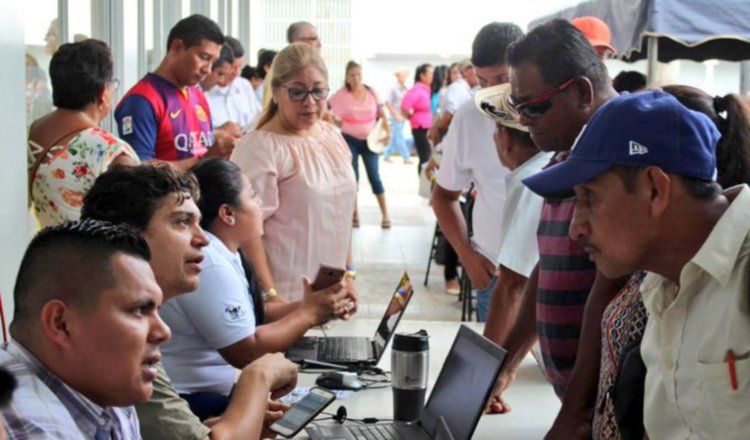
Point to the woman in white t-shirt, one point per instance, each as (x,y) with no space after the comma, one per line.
(223,325)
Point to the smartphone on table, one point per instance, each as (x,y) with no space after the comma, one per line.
(327,276)
(302,412)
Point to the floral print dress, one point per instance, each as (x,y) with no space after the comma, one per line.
(68,172)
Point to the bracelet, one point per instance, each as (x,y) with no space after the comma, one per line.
(268,294)
(350,273)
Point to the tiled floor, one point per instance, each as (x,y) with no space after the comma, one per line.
(381,255)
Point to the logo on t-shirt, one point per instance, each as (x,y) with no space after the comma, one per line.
(174,115)
(127,125)
(200,113)
(234,312)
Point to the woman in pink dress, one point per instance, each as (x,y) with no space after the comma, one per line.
(358,108)
(417,106)
(301,170)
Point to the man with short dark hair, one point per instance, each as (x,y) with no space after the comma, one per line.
(469,157)
(236,101)
(643,172)
(159,202)
(557,83)
(165,117)
(82,286)
(303,32)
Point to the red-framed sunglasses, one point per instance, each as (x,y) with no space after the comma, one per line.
(536,107)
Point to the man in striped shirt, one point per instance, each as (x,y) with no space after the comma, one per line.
(557,83)
(85,334)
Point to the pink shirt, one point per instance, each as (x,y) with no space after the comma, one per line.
(357,117)
(418,99)
(307,191)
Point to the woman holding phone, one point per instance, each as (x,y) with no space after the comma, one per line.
(302,170)
(224,325)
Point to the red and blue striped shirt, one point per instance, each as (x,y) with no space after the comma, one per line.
(163,121)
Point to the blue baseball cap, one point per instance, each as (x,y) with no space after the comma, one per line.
(640,129)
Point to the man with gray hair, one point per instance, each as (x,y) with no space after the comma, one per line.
(303,32)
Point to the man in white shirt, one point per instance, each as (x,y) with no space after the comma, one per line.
(643,172)
(456,94)
(236,102)
(519,251)
(469,156)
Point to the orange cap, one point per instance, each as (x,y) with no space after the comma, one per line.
(596,31)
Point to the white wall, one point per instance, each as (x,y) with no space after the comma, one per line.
(14,231)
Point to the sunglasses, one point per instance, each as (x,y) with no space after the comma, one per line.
(534,108)
(297,94)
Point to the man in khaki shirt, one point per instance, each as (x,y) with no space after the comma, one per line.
(643,173)
(159,202)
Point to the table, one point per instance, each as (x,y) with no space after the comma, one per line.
(533,401)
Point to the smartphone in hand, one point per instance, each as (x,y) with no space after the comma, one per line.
(327,276)
(302,412)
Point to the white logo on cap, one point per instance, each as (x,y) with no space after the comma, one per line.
(637,149)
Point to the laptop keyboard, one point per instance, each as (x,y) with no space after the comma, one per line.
(344,348)
(380,432)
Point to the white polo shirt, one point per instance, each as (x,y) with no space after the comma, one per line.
(236,102)
(217,315)
(519,250)
(691,327)
(456,94)
(469,155)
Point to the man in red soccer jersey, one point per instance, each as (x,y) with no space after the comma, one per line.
(165,117)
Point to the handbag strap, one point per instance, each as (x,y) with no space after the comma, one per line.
(45,150)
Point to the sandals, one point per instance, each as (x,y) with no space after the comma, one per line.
(385,224)
(355,222)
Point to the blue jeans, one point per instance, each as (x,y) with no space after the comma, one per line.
(358,148)
(398,143)
(483,300)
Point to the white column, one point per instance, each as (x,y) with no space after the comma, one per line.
(14,219)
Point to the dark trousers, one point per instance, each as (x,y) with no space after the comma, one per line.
(450,271)
(358,148)
(206,405)
(424,149)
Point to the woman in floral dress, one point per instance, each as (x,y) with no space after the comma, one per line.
(67,149)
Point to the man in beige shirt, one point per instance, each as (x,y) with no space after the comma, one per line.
(160,203)
(643,172)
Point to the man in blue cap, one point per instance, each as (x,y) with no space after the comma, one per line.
(643,172)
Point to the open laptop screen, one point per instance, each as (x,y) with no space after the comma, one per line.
(465,382)
(392,315)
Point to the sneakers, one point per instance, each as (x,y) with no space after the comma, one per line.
(452,287)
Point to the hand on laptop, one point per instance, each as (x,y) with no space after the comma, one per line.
(323,305)
(496,404)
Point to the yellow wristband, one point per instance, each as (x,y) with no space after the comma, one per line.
(351,274)
(268,294)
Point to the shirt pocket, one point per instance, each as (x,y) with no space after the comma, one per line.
(729,409)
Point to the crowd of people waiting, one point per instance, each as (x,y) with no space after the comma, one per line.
(611,228)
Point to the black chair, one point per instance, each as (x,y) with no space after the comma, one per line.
(467,302)
(433,250)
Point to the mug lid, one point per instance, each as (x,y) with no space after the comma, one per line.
(418,341)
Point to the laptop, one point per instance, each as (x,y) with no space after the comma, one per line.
(456,401)
(357,350)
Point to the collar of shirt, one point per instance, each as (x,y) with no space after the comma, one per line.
(86,414)
(716,257)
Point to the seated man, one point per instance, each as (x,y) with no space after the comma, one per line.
(159,202)
(644,174)
(81,286)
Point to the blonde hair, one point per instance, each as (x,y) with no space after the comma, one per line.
(287,63)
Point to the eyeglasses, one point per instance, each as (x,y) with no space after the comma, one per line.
(115,84)
(298,94)
(536,107)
